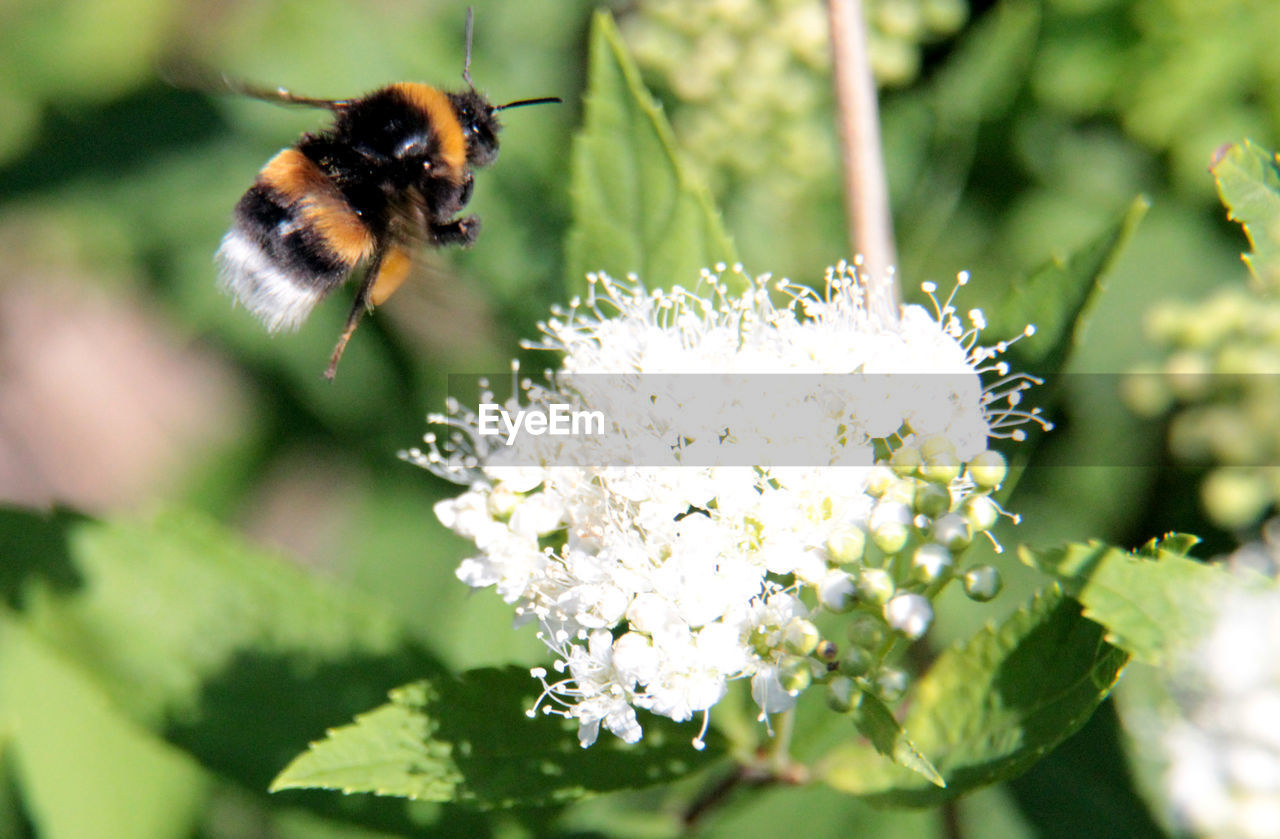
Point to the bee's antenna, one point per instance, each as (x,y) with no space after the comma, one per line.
(520,103)
(466,62)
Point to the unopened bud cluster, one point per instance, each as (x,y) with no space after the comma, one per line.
(757,76)
(1218,380)
(928,508)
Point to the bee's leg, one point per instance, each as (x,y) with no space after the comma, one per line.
(443,198)
(461,231)
(468,187)
(358,309)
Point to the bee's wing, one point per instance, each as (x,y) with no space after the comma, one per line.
(188,76)
(279,95)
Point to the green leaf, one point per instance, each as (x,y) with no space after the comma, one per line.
(636,208)
(226,650)
(935,132)
(987,69)
(991,707)
(1056,298)
(387,751)
(1249,184)
(1151,606)
(876,722)
(1172,542)
(469,739)
(241,659)
(83,770)
(809,810)
(1086,786)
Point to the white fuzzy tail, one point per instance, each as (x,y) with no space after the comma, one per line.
(277,299)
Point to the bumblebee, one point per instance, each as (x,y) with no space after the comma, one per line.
(394,170)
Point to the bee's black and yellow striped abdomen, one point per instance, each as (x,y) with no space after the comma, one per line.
(295,238)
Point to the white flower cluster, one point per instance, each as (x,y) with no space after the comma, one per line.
(657,585)
(1223,749)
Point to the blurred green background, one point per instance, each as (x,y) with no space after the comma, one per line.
(1014,130)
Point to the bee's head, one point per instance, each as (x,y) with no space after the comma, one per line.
(480,126)
(478,118)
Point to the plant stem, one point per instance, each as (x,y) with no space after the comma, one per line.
(714,796)
(866,186)
(780,757)
(951,828)
(766,768)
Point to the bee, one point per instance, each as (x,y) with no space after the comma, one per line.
(392,171)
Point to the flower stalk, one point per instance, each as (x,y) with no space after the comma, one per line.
(866,188)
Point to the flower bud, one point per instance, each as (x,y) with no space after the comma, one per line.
(1235,497)
(827,651)
(952,532)
(891,526)
(909,614)
(891,684)
(981,513)
(941,467)
(836,591)
(878,480)
(906,460)
(932,500)
(795,674)
(800,636)
(855,662)
(840,694)
(944,16)
(1146,393)
(502,502)
(901,491)
(930,563)
(937,444)
(982,583)
(866,631)
(988,470)
(846,544)
(875,586)
(1188,374)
